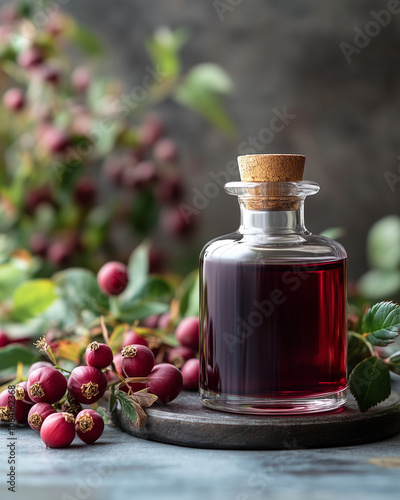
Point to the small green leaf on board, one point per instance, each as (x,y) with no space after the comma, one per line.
(370,383)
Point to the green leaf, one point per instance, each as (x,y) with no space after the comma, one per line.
(10,278)
(381,323)
(163,48)
(370,383)
(141,309)
(379,285)
(188,295)
(32,298)
(138,270)
(87,40)
(383,244)
(13,354)
(334,233)
(144,213)
(201,91)
(358,350)
(394,362)
(117,338)
(127,406)
(80,290)
(104,415)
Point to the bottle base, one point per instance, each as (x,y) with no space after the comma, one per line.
(288,406)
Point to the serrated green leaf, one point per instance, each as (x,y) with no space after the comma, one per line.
(370,383)
(11,355)
(394,362)
(32,298)
(113,399)
(381,323)
(127,406)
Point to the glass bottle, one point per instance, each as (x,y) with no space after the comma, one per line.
(273,316)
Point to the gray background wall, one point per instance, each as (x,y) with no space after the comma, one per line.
(280,53)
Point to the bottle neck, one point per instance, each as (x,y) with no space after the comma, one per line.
(272,223)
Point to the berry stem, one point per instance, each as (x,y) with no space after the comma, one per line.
(114,306)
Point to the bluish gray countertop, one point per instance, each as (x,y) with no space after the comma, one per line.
(121,466)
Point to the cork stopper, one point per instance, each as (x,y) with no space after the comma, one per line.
(271,168)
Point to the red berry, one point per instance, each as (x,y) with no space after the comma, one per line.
(39,364)
(12,409)
(49,74)
(58,430)
(39,244)
(131,338)
(113,278)
(98,355)
(87,384)
(142,174)
(187,332)
(166,151)
(55,140)
(179,355)
(85,192)
(21,393)
(4,340)
(59,253)
(164,320)
(137,360)
(173,222)
(46,385)
(14,99)
(81,78)
(30,58)
(165,382)
(151,321)
(38,414)
(89,426)
(118,363)
(170,189)
(38,196)
(190,374)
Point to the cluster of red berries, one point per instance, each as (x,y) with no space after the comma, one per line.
(31,402)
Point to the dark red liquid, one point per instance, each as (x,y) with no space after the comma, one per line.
(273,331)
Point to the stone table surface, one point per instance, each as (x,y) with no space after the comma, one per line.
(121,466)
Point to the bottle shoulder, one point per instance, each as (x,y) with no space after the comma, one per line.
(305,247)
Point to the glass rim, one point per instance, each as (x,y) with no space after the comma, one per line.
(272,189)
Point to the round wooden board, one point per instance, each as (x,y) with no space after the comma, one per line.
(187,422)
